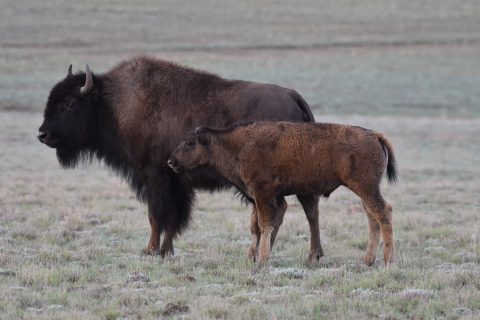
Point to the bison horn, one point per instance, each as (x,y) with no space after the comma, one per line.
(69,71)
(88,81)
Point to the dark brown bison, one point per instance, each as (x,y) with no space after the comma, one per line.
(267,161)
(133,116)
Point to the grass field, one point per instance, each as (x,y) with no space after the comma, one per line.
(71,240)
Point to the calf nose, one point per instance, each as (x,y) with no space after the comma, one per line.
(41,136)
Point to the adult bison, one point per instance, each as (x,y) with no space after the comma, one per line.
(133,116)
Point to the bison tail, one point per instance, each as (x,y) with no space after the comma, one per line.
(303,105)
(392,171)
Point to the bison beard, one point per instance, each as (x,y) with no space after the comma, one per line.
(135,114)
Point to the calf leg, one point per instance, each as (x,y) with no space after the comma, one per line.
(373,237)
(310,206)
(266,210)
(382,211)
(278,218)
(255,230)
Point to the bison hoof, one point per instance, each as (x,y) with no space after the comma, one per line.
(151,252)
(166,253)
(315,255)
(157,252)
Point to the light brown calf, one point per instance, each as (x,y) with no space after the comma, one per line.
(267,161)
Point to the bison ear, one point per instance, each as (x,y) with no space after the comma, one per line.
(202,137)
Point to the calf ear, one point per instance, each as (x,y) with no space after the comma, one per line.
(203,138)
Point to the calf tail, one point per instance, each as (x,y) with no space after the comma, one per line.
(392,171)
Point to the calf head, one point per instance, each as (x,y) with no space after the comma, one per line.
(69,117)
(192,152)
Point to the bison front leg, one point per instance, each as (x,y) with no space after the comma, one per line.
(310,206)
(154,243)
(169,210)
(153,247)
(167,244)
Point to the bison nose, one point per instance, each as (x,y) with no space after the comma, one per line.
(170,162)
(41,136)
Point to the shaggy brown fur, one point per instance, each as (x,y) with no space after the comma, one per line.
(133,116)
(267,161)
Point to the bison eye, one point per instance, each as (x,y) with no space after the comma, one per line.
(70,105)
(188,143)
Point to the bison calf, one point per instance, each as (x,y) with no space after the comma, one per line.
(267,161)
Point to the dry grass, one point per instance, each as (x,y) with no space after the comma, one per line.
(72,241)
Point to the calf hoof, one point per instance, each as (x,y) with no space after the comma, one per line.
(262,257)
(369,260)
(387,262)
(252,254)
(315,255)
(261,261)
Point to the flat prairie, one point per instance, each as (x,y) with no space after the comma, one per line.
(71,241)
